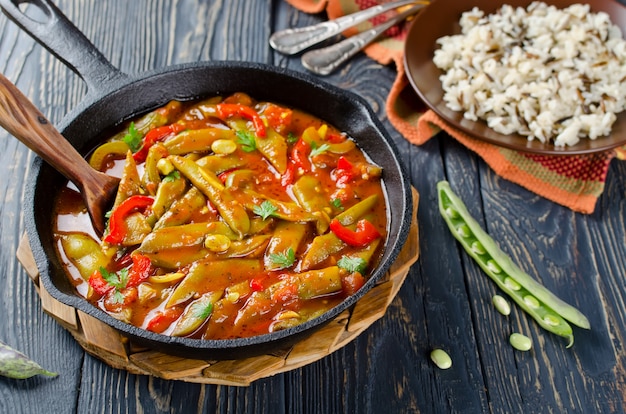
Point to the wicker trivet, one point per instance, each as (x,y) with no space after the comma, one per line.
(107,344)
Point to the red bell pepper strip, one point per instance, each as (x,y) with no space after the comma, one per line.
(117,227)
(298,159)
(140,270)
(98,284)
(155,135)
(344,171)
(226,110)
(365,233)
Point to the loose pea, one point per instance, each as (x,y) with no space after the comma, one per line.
(441,358)
(501,305)
(223,146)
(531,301)
(520,342)
(217,242)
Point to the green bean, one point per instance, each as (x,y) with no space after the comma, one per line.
(320,249)
(287,235)
(196,140)
(284,210)
(151,177)
(168,192)
(357,211)
(221,163)
(308,193)
(208,276)
(181,211)
(273,146)
(230,209)
(549,311)
(196,313)
(85,253)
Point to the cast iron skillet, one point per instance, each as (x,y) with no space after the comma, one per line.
(114,97)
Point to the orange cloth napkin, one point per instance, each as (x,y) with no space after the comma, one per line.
(572,181)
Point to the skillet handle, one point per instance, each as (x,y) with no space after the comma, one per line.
(66,42)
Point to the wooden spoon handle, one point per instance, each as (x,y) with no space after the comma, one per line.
(25,122)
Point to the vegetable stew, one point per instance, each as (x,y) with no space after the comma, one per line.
(233,218)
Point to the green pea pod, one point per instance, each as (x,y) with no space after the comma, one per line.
(14,364)
(548,310)
(221,163)
(168,192)
(357,211)
(209,276)
(230,209)
(307,190)
(85,252)
(151,177)
(183,209)
(288,235)
(196,314)
(196,140)
(320,249)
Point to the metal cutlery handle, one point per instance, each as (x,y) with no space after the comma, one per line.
(324,61)
(292,41)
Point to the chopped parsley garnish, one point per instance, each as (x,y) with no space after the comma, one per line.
(315,150)
(265,210)
(284,259)
(201,311)
(352,264)
(246,140)
(132,138)
(292,138)
(117,280)
(337,203)
(173,176)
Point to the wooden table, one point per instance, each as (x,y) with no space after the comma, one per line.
(444,302)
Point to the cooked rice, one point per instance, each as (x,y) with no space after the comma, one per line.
(549,74)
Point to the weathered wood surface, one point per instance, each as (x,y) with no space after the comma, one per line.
(445,301)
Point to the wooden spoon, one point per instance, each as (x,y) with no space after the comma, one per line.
(25,122)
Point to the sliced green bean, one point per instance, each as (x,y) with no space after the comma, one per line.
(308,193)
(151,176)
(181,211)
(168,192)
(357,211)
(130,183)
(230,209)
(196,313)
(288,235)
(548,310)
(221,163)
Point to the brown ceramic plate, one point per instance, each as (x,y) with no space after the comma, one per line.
(441,18)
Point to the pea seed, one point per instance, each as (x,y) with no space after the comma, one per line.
(551,320)
(493,266)
(520,342)
(452,213)
(223,146)
(512,284)
(501,305)
(217,242)
(478,248)
(463,231)
(441,358)
(531,301)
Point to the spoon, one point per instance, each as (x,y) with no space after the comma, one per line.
(325,60)
(25,122)
(292,41)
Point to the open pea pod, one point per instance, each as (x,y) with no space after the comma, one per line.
(213,275)
(196,314)
(230,209)
(197,140)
